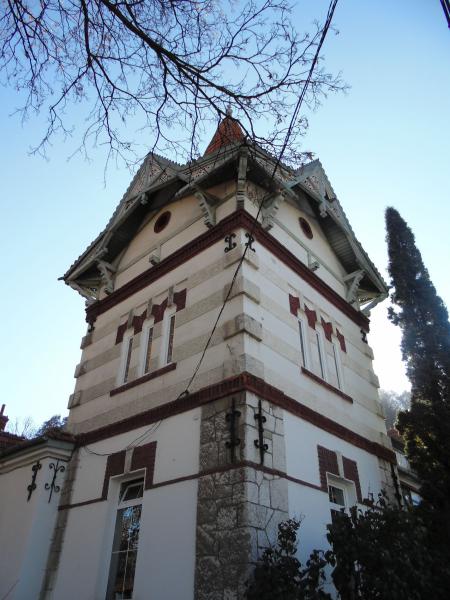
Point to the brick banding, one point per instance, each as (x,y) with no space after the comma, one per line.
(240,383)
(239,218)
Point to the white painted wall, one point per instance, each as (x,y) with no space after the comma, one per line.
(26,527)
(167,535)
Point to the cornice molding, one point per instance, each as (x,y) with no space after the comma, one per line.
(238,219)
(245,382)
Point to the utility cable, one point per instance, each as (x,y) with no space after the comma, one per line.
(291,125)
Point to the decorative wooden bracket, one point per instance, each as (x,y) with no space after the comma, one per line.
(270,209)
(106,271)
(312,264)
(352,281)
(87,293)
(155,256)
(208,211)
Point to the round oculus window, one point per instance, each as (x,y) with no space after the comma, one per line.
(306,228)
(162,221)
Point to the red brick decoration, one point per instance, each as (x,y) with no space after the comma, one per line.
(341,340)
(311,316)
(233,385)
(327,464)
(327,329)
(351,473)
(238,219)
(294,304)
(179,298)
(115,465)
(138,322)
(143,458)
(121,332)
(158,310)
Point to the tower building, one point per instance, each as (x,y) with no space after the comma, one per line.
(184,461)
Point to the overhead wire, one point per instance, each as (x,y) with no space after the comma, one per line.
(292,122)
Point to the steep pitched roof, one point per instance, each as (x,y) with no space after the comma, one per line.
(159,182)
(228,132)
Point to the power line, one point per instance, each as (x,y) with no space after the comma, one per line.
(291,125)
(292,122)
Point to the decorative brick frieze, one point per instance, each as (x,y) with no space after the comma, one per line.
(143,457)
(326,385)
(115,465)
(311,317)
(351,473)
(327,329)
(341,340)
(328,463)
(232,385)
(157,311)
(238,219)
(294,304)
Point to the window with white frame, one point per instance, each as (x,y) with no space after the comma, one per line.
(302,331)
(341,494)
(319,362)
(168,336)
(148,347)
(125,361)
(334,365)
(126,539)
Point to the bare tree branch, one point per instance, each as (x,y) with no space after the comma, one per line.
(173,66)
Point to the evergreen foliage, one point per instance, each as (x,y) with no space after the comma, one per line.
(423,318)
(279,574)
(382,553)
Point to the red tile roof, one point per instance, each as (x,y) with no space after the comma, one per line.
(228,132)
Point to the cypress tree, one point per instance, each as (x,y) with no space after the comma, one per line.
(423,318)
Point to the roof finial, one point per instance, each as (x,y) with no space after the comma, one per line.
(229,110)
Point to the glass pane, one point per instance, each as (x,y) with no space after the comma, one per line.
(124,578)
(170,342)
(302,343)
(130,490)
(148,352)
(123,559)
(336,495)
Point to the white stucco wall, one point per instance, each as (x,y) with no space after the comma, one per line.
(167,532)
(26,527)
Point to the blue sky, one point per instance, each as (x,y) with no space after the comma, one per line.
(384,143)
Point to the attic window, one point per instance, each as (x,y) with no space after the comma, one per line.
(306,228)
(162,221)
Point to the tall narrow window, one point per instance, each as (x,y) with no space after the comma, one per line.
(320,355)
(127,360)
(337,367)
(148,350)
(170,339)
(125,544)
(301,331)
